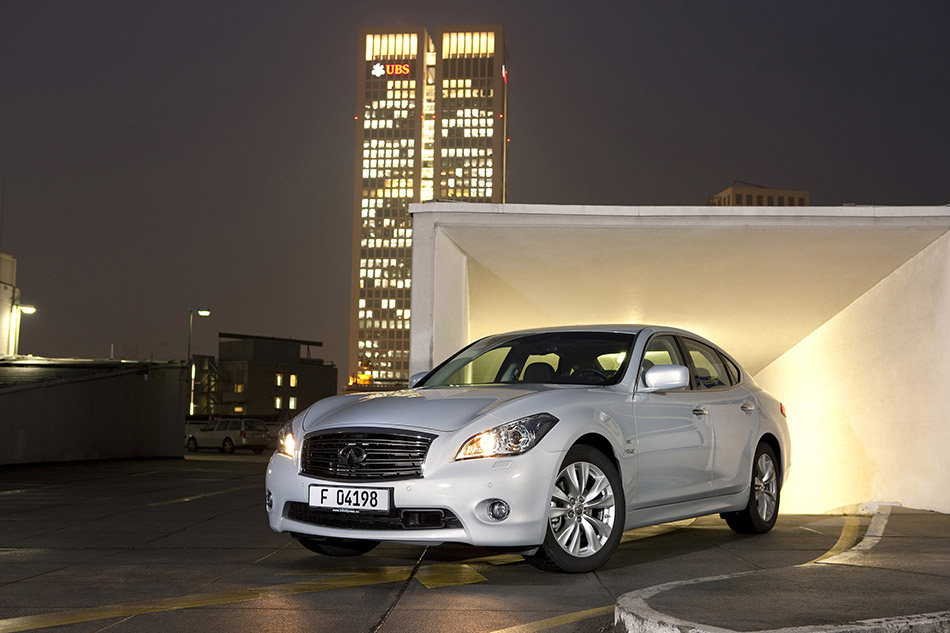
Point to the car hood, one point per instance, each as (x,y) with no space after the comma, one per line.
(438,409)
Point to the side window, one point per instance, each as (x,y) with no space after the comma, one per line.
(661,350)
(709,371)
(734,372)
(235,425)
(208,427)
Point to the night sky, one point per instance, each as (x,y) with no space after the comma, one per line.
(158,156)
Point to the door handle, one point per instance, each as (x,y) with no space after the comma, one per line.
(700,410)
(748,407)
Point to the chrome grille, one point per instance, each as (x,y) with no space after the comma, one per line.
(364,455)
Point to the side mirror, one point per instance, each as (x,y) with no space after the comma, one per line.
(415,378)
(666,377)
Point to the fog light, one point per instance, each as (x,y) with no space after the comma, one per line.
(269,500)
(498,510)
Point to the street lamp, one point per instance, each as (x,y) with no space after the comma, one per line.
(202,312)
(15,314)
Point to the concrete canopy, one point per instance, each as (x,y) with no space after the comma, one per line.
(756,280)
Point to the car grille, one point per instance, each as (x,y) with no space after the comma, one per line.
(364,455)
(426,519)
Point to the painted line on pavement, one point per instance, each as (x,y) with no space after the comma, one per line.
(193,497)
(849,536)
(567,618)
(32,622)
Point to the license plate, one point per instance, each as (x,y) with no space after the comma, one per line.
(359,499)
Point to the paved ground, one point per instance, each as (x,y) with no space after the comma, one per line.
(896,579)
(184,545)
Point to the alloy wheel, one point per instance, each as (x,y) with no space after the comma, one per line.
(583,509)
(766,487)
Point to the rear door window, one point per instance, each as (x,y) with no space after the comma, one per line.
(709,372)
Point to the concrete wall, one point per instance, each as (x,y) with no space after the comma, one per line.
(127,413)
(442,269)
(866,392)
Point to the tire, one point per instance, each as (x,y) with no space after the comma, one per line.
(192,445)
(336,546)
(578,542)
(760,513)
(227,446)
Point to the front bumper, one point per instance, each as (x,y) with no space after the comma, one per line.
(459,489)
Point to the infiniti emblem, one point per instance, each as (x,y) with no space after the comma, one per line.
(352,454)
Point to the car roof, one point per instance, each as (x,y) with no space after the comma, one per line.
(619,328)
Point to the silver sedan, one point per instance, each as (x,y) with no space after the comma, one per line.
(548,442)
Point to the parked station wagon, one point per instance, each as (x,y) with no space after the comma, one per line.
(549,442)
(229,434)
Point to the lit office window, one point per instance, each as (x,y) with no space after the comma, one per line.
(238,388)
(279,381)
(293,381)
(292,403)
(277,402)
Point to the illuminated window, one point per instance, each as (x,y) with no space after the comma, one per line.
(239,409)
(238,388)
(279,381)
(293,382)
(292,403)
(277,402)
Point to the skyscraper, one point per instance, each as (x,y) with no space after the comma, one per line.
(430,125)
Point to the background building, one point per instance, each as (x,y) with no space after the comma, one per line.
(9,297)
(430,125)
(749,195)
(263,377)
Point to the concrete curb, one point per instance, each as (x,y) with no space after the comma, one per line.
(632,613)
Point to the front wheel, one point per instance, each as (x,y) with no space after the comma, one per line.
(336,546)
(760,513)
(228,445)
(586,516)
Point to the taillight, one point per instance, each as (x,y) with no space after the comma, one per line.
(244,433)
(782,409)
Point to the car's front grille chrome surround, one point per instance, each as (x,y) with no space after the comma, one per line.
(365,455)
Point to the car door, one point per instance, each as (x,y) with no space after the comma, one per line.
(731,413)
(673,442)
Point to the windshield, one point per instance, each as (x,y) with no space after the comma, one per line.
(578,358)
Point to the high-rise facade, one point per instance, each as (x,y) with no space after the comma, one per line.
(431,125)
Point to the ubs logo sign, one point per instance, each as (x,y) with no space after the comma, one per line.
(389,70)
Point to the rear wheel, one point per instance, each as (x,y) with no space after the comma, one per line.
(228,445)
(586,516)
(760,513)
(336,546)
(192,445)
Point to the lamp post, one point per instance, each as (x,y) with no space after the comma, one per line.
(15,315)
(202,312)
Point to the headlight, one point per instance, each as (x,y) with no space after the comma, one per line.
(285,440)
(512,438)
